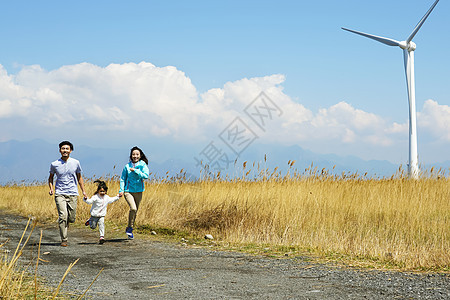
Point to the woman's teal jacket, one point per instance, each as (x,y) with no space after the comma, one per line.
(133,181)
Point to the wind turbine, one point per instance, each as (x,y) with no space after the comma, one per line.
(408,47)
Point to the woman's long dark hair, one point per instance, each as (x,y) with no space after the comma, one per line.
(101,185)
(143,157)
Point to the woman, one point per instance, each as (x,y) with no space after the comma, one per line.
(132,184)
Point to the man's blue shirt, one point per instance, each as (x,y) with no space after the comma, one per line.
(66,176)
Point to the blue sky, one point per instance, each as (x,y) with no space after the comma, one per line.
(333,81)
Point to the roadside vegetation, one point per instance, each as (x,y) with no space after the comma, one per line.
(393,223)
(19,281)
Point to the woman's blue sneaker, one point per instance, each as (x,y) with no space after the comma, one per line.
(129,232)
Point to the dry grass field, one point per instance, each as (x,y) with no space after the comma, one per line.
(17,281)
(388,223)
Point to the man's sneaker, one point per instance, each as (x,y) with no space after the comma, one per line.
(87,222)
(101,241)
(129,232)
(64,244)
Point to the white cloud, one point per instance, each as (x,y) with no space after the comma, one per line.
(398,128)
(342,122)
(435,119)
(163,102)
(343,114)
(5,108)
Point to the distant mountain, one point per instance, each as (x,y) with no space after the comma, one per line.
(280,156)
(30,161)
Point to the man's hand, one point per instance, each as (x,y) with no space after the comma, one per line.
(50,183)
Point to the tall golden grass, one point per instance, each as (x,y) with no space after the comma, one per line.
(13,281)
(394,222)
(16,282)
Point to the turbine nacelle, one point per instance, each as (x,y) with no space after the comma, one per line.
(411,46)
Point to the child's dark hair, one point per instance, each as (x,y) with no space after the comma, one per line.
(143,157)
(101,185)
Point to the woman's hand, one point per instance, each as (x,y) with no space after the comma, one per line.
(120,194)
(132,169)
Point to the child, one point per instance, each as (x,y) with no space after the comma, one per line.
(99,203)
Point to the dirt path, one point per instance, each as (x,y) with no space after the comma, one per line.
(146,269)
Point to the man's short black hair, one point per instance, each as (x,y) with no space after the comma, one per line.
(63,143)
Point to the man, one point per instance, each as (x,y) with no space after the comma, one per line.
(68,176)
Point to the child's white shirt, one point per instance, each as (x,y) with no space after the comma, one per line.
(99,204)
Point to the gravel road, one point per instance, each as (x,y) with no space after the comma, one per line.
(149,269)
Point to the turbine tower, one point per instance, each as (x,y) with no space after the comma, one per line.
(408,47)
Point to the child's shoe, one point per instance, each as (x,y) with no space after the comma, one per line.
(129,232)
(87,222)
(102,240)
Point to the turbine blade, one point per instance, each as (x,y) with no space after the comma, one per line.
(411,36)
(386,41)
